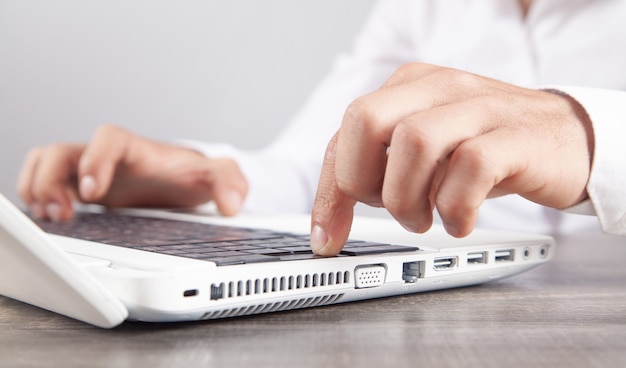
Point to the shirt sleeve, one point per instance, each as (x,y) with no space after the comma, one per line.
(607,181)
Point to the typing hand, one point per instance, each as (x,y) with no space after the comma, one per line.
(118,168)
(435,137)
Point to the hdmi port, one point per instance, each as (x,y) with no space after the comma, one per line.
(444,263)
(504,255)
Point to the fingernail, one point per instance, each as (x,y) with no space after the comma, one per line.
(87,187)
(53,210)
(319,239)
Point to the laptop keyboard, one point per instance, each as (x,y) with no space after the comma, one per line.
(223,245)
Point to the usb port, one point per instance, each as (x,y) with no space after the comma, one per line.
(444,263)
(476,257)
(504,255)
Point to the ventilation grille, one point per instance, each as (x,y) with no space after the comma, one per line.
(275,307)
(234,289)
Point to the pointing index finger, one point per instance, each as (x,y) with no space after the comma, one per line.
(333,210)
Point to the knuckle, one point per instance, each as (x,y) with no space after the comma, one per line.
(472,158)
(407,132)
(412,71)
(34,153)
(410,138)
(323,200)
(361,114)
(404,73)
(331,150)
(455,77)
(106,129)
(109,132)
(54,153)
(329,199)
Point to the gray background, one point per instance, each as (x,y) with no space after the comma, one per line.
(232,71)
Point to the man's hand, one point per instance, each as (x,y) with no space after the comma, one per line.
(435,137)
(118,168)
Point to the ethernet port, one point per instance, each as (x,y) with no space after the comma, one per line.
(411,271)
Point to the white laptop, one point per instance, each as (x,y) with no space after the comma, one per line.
(159,266)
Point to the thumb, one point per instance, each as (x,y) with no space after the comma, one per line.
(333,210)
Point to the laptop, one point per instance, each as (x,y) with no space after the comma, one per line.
(104,267)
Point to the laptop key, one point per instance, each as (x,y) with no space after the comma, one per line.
(299,256)
(243,259)
(377,249)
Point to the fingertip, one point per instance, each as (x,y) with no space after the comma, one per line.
(57,212)
(54,211)
(330,230)
(329,243)
(414,227)
(87,188)
(457,230)
(451,229)
(230,202)
(319,240)
(26,176)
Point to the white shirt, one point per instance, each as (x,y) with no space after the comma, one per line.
(577,46)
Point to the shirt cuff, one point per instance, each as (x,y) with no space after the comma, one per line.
(607,181)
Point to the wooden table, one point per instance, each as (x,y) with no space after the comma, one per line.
(570,312)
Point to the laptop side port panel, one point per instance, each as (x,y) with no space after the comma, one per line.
(411,271)
(367,276)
